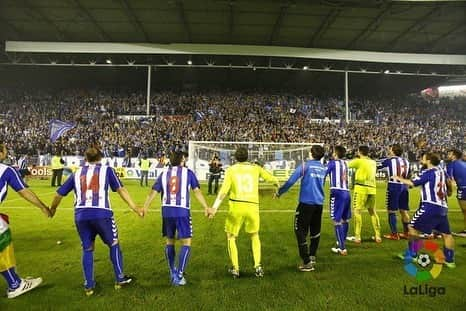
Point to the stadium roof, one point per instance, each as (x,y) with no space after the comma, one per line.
(374,25)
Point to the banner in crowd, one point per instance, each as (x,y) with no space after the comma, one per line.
(58,128)
(40,171)
(132,117)
(282,169)
(135,173)
(176,117)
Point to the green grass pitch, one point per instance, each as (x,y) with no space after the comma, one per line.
(369,278)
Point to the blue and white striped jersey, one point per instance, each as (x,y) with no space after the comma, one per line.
(90,184)
(396,166)
(175,184)
(22,163)
(338,172)
(434,187)
(9,177)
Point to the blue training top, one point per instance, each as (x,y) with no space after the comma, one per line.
(312,174)
(457,170)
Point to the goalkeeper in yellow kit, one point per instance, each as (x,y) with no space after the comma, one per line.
(364,192)
(242,183)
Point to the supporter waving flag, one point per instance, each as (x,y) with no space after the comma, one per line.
(58,128)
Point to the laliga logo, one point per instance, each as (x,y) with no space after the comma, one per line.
(429,253)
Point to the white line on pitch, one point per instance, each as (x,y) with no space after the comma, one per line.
(40,195)
(196,210)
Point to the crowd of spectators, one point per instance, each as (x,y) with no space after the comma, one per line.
(177,117)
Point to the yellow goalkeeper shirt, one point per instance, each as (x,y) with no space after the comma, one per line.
(242,182)
(364,178)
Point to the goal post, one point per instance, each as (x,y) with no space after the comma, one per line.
(278,158)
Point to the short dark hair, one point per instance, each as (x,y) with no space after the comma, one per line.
(93,154)
(176,158)
(364,150)
(317,152)
(433,157)
(340,151)
(397,150)
(241,154)
(458,154)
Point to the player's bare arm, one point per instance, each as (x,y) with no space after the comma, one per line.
(124,194)
(150,197)
(449,185)
(55,203)
(32,198)
(404,181)
(201,199)
(216,205)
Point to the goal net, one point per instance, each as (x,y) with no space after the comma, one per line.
(278,158)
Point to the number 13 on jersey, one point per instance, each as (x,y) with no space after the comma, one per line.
(245,184)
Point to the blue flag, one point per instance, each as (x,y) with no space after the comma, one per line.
(198,116)
(58,128)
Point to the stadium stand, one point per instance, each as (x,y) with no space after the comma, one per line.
(228,116)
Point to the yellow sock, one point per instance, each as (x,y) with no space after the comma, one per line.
(358,224)
(376,225)
(256,249)
(233,252)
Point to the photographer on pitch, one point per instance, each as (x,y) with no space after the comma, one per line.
(215,169)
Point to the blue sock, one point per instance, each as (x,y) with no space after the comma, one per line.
(117,261)
(170,256)
(11,278)
(392,222)
(340,236)
(345,227)
(183,259)
(88,267)
(449,254)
